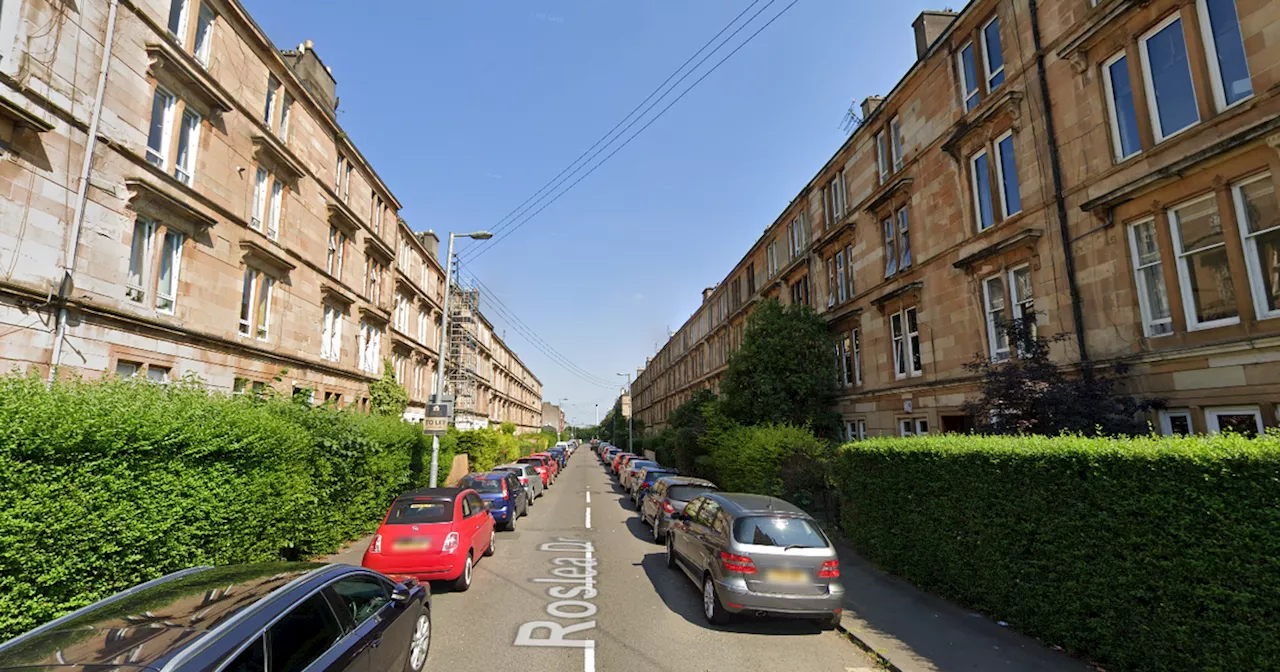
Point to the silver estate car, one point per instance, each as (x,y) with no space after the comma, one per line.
(528,476)
(756,554)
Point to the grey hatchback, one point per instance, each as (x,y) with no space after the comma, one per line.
(668,496)
(756,554)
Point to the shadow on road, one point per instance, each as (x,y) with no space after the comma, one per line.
(639,529)
(685,599)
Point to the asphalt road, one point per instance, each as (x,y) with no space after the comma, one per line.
(633,615)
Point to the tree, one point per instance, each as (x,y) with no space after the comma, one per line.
(386,395)
(507,428)
(1031,394)
(785,371)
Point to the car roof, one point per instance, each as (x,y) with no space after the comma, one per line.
(174,615)
(487,475)
(687,480)
(737,503)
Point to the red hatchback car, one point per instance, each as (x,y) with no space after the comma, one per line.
(620,460)
(434,534)
(552,464)
(540,465)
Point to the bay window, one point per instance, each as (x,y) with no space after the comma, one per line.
(258,214)
(161,128)
(1228,68)
(188,141)
(1258,215)
(996,318)
(841,294)
(857,357)
(170,266)
(204,34)
(890,247)
(1204,274)
(1120,107)
(1148,270)
(980,181)
(905,333)
(139,259)
(904,241)
(1166,72)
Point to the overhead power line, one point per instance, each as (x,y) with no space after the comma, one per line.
(476,252)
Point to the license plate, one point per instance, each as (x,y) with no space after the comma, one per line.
(788,576)
(417,544)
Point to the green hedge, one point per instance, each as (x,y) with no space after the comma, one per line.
(762,459)
(105,485)
(1141,554)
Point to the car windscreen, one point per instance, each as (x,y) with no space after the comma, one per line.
(409,511)
(778,531)
(481,484)
(684,493)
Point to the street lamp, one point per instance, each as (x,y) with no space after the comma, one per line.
(438,397)
(631,446)
(560,426)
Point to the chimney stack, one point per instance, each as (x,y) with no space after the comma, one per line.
(869,106)
(706,293)
(929,26)
(431,241)
(315,76)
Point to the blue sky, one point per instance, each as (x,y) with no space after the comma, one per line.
(467,108)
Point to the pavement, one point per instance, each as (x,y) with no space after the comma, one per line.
(534,606)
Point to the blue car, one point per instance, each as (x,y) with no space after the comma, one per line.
(561,455)
(502,493)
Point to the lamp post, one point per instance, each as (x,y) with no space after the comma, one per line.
(597,421)
(560,426)
(631,446)
(444,332)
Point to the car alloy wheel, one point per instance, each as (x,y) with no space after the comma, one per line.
(657,535)
(493,536)
(420,645)
(463,582)
(711,604)
(671,552)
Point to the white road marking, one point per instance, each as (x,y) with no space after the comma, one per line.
(588,496)
(588,517)
(589,659)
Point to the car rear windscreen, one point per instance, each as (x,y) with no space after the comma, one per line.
(684,493)
(409,511)
(651,476)
(778,531)
(481,484)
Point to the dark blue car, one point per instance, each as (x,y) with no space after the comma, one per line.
(502,493)
(561,455)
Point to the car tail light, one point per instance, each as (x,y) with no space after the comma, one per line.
(666,506)
(830,570)
(524,480)
(376,545)
(504,487)
(737,563)
(450,543)
(645,485)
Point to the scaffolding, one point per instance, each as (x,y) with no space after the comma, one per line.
(462,365)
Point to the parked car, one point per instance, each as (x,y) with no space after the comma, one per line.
(504,494)
(433,534)
(561,454)
(539,465)
(298,615)
(644,479)
(668,496)
(619,460)
(552,464)
(528,476)
(629,472)
(608,453)
(756,554)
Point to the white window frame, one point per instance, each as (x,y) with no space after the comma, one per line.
(900,355)
(902,227)
(976,189)
(966,94)
(1140,282)
(185,170)
(175,263)
(831,281)
(258,215)
(1000,168)
(1149,85)
(269,107)
(166,128)
(184,11)
(286,108)
(1257,283)
(1113,113)
(1180,258)
(848,277)
(841,293)
(912,341)
(895,141)
(137,291)
(203,47)
(857,356)
(922,426)
(262,309)
(771,257)
(326,330)
(1211,417)
(1211,55)
(248,296)
(986,55)
(1166,416)
(273,217)
(889,235)
(882,157)
(988,317)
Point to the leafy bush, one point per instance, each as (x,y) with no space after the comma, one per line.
(105,485)
(487,448)
(1146,554)
(755,459)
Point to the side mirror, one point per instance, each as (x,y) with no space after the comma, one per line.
(403,590)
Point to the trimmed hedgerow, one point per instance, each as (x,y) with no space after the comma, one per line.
(1143,554)
(104,485)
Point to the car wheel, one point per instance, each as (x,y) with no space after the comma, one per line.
(671,553)
(463,582)
(420,645)
(657,534)
(711,607)
(511,523)
(493,536)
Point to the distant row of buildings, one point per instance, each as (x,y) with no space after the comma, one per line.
(1108,167)
(177,197)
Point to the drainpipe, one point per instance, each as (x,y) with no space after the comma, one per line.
(1055,164)
(82,194)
